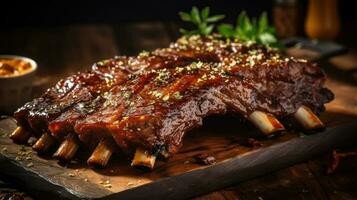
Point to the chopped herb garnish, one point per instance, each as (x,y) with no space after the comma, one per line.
(177,95)
(126,94)
(201,19)
(302,135)
(103,62)
(156,94)
(144,54)
(23,148)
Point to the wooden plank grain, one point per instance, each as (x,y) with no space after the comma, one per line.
(295,182)
(342,184)
(166,181)
(224,194)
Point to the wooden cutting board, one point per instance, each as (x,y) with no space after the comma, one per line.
(179,177)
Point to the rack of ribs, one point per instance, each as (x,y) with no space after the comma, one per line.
(144,105)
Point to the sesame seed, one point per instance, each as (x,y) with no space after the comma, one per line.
(166,97)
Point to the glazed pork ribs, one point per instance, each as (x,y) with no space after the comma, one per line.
(144,105)
(70,93)
(53,116)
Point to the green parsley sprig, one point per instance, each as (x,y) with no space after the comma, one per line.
(246,29)
(258,31)
(201,19)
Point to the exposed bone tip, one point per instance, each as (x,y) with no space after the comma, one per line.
(101,154)
(66,150)
(308,119)
(143,158)
(267,123)
(44,143)
(20,135)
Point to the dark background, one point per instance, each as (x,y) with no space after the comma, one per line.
(51,12)
(17,13)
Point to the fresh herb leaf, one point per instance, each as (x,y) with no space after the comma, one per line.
(215,18)
(251,30)
(226,30)
(267,38)
(207,29)
(185,16)
(205,13)
(186,32)
(263,22)
(201,19)
(195,15)
(246,29)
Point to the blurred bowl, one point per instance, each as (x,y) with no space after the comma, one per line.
(15,90)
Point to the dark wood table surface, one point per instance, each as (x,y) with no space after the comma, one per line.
(60,51)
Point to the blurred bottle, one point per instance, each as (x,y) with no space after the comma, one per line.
(322,20)
(286,17)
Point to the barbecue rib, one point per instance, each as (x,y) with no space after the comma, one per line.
(78,88)
(154,99)
(73,98)
(71,92)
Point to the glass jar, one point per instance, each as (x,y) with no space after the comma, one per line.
(286,17)
(322,20)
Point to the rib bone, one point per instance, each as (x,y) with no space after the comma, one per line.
(67,149)
(102,153)
(20,135)
(44,143)
(308,119)
(267,123)
(143,158)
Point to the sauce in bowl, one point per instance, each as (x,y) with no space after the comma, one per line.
(14,67)
(17,74)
